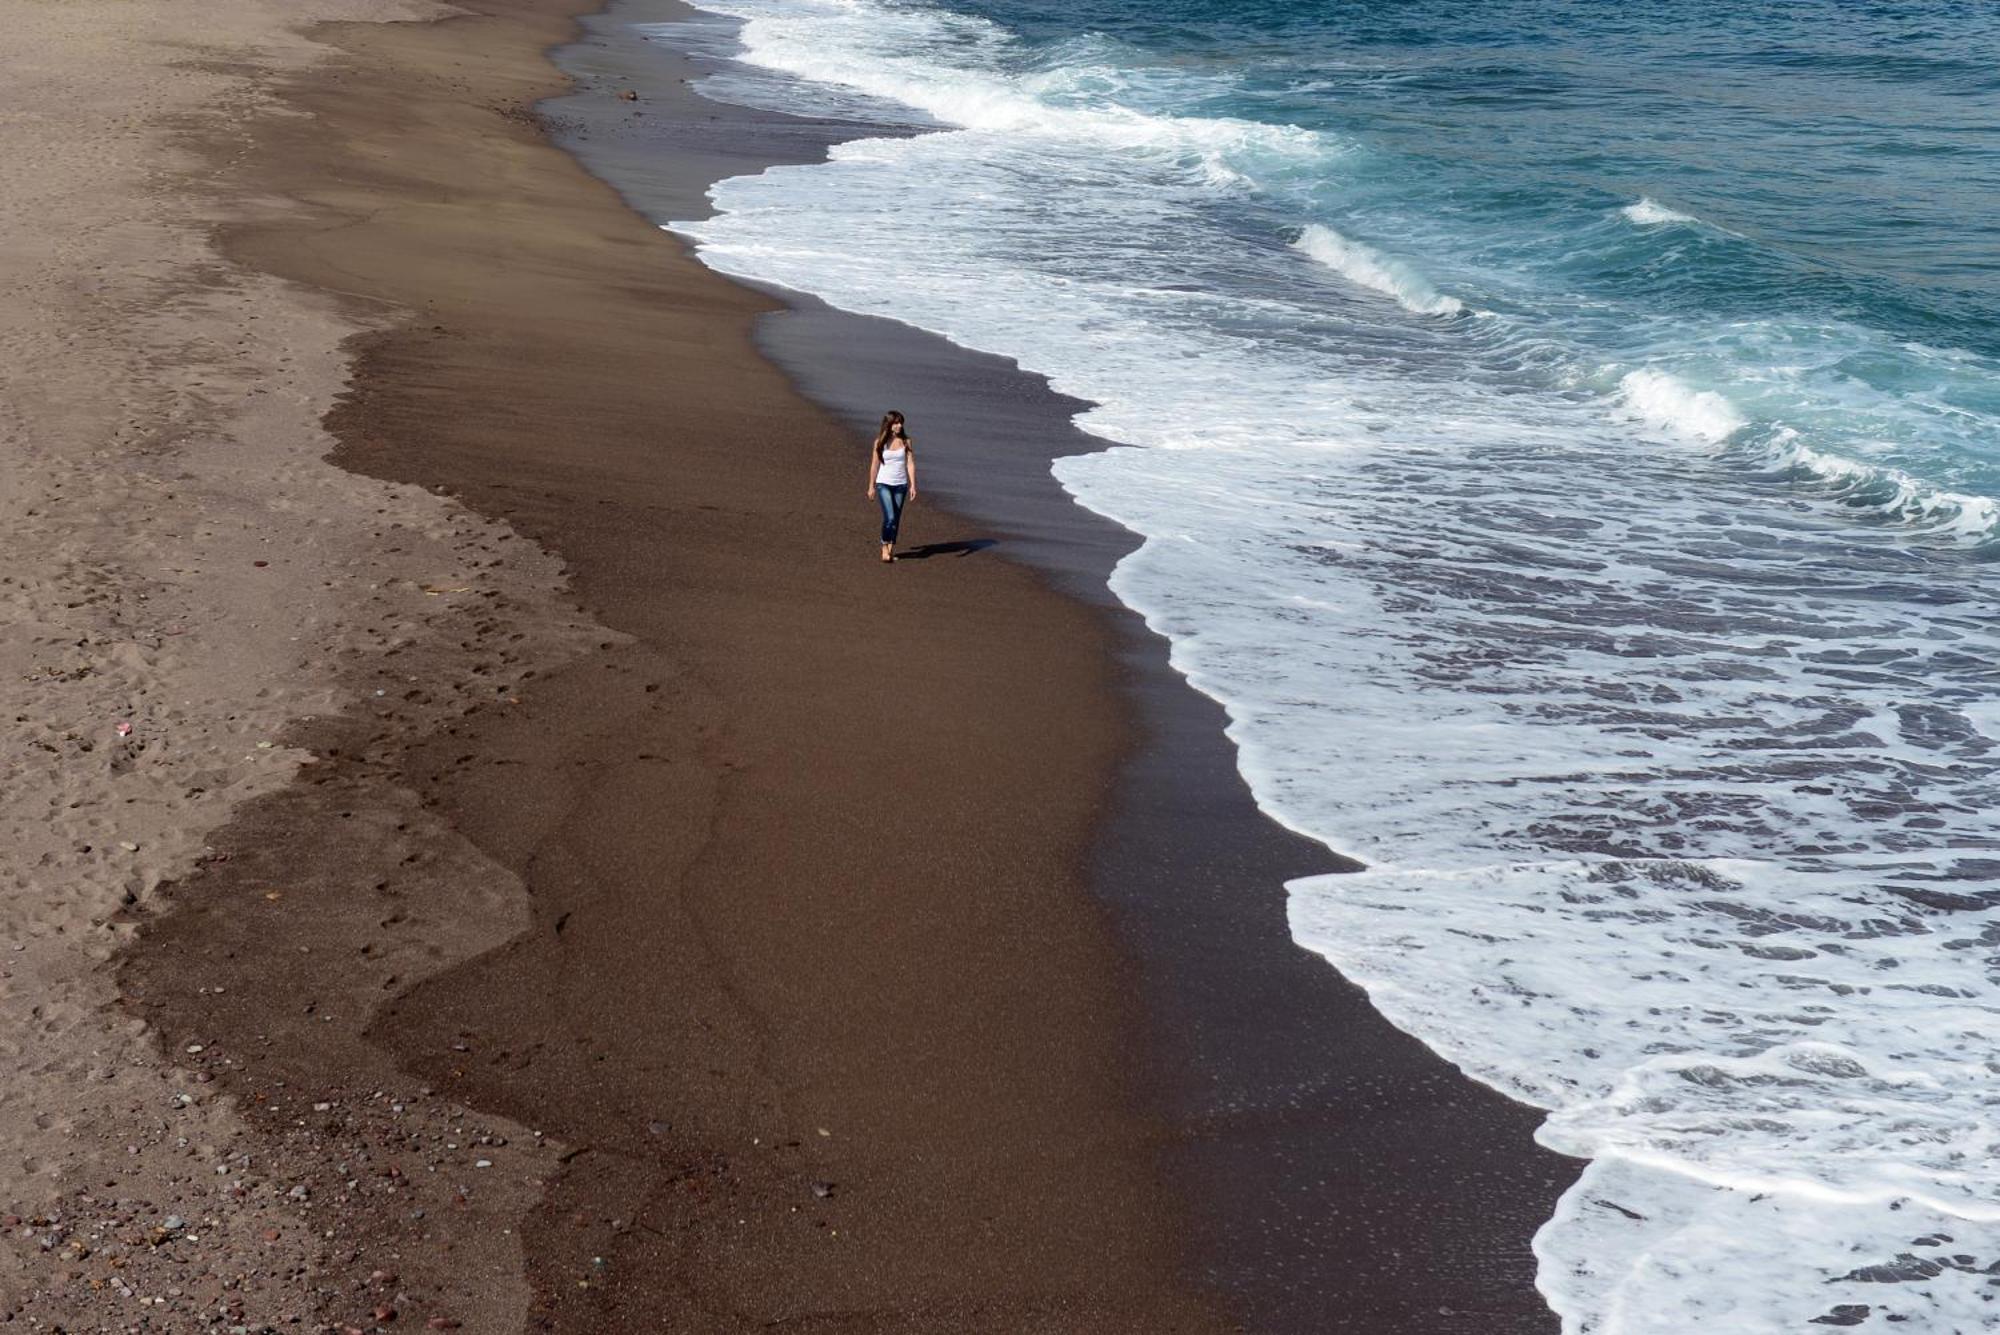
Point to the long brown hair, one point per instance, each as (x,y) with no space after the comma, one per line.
(892,418)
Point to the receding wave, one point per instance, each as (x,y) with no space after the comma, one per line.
(1370,268)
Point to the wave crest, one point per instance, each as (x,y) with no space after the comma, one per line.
(1649,212)
(1372,269)
(1889,492)
(1671,404)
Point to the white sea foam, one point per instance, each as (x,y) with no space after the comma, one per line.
(1647,212)
(1632,1249)
(1674,799)
(1667,402)
(885,53)
(1777,1090)
(1370,268)
(1983,716)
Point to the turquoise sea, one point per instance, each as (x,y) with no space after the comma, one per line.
(1566,438)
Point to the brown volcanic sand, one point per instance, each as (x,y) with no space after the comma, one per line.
(813,999)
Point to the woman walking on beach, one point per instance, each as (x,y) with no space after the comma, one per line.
(892,476)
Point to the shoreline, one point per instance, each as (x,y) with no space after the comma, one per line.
(1191,1155)
(1293,1100)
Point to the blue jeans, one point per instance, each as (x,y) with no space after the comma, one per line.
(890,497)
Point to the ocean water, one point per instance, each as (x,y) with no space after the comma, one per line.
(1566,438)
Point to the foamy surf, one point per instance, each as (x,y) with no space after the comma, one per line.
(885,53)
(1832,1144)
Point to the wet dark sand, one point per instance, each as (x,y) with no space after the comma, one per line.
(904,950)
(1341,1175)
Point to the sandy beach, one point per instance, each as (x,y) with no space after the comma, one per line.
(489,848)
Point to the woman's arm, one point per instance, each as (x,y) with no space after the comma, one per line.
(910,461)
(874,466)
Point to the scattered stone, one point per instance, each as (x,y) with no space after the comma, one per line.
(822,1189)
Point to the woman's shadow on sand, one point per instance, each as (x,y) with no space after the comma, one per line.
(930,549)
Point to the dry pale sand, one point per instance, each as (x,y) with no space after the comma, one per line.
(494,966)
(181,575)
(812,988)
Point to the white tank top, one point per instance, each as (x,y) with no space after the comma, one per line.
(895,469)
